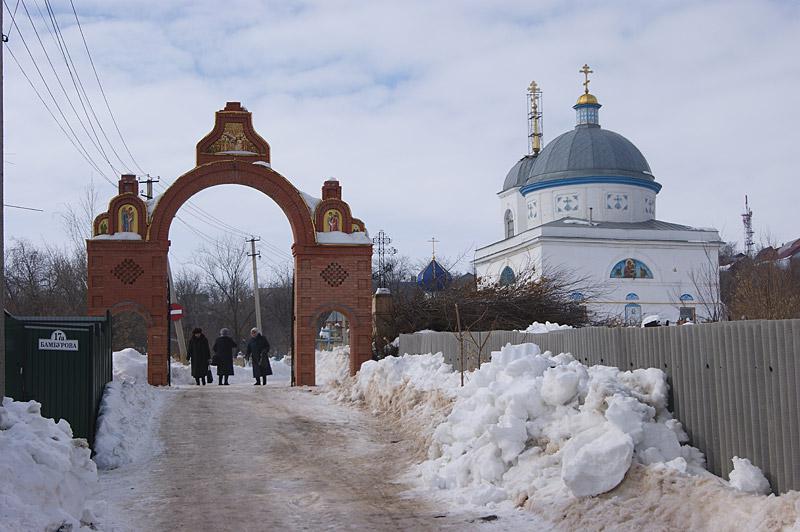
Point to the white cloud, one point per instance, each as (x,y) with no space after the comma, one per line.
(418,107)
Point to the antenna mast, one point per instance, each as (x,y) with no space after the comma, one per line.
(747,220)
(534,118)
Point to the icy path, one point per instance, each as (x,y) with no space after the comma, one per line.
(246,457)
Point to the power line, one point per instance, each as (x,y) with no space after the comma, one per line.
(77,145)
(7,36)
(95,141)
(103,92)
(23,208)
(75,140)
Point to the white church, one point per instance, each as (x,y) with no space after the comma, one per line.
(586,204)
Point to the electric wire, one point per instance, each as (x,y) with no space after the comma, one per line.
(77,146)
(95,141)
(58,37)
(102,91)
(11,26)
(74,139)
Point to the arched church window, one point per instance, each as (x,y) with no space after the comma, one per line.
(509,219)
(686,298)
(507,276)
(631,269)
(632,297)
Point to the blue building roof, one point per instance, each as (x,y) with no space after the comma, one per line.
(434,277)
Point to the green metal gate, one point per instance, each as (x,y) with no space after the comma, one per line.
(63,363)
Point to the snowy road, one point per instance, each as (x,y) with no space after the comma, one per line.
(244,457)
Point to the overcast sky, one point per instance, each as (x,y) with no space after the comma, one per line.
(417,107)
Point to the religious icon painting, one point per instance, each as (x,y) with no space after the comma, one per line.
(332,221)
(356,228)
(631,269)
(102,227)
(567,203)
(128,221)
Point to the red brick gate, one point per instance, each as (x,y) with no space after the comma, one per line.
(332,253)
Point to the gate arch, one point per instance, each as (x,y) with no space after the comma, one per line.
(127,256)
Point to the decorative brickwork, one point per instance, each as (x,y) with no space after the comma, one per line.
(334,274)
(127,271)
(131,274)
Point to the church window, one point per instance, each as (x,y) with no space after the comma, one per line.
(631,269)
(633,314)
(507,276)
(687,313)
(649,205)
(577,297)
(632,297)
(509,219)
(686,298)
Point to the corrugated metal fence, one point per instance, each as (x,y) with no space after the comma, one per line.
(734,385)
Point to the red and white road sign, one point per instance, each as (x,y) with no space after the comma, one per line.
(175,312)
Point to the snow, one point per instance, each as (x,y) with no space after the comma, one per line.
(579,222)
(545,432)
(151,205)
(338,237)
(382,291)
(46,476)
(650,319)
(265,164)
(121,235)
(236,152)
(747,477)
(540,328)
(311,201)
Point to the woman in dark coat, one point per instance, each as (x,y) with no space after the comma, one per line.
(223,355)
(258,352)
(199,354)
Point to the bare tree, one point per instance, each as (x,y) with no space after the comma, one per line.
(705,281)
(277,308)
(78,219)
(226,276)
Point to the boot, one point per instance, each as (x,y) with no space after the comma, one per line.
(220,380)
(197,381)
(258,382)
(226,380)
(203,380)
(265,380)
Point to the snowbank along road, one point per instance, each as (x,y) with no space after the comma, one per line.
(253,458)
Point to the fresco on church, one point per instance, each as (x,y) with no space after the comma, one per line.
(332,221)
(631,269)
(102,227)
(128,219)
(356,228)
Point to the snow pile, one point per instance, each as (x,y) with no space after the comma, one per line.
(747,477)
(540,328)
(129,412)
(45,474)
(332,366)
(528,421)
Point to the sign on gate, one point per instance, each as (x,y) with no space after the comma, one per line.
(57,342)
(175,311)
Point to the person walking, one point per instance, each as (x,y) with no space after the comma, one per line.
(223,355)
(199,354)
(258,352)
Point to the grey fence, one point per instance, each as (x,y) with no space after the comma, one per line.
(733,385)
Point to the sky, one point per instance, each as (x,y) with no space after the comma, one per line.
(418,108)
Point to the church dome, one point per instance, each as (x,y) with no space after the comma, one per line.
(519,173)
(588,152)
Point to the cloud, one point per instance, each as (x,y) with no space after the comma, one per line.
(419,108)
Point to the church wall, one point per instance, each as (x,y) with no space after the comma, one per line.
(609,203)
(670,262)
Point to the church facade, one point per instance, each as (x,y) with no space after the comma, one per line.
(585,206)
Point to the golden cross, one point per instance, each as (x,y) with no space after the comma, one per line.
(533,87)
(433,242)
(585,71)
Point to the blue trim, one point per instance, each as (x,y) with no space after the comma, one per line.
(591,180)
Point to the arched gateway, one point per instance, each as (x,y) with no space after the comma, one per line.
(332,252)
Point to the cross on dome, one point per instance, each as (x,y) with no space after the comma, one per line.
(585,71)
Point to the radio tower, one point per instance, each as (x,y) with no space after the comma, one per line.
(747,220)
(534,118)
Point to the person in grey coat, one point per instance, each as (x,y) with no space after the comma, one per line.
(258,353)
(223,355)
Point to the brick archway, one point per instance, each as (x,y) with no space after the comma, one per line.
(332,263)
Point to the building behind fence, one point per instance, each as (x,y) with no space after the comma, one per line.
(733,385)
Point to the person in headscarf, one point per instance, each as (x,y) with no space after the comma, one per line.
(223,355)
(199,355)
(258,352)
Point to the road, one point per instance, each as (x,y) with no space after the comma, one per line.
(246,457)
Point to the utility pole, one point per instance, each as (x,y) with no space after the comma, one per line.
(255,254)
(149,182)
(2,234)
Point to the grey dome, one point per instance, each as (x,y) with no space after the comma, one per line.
(519,173)
(589,151)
